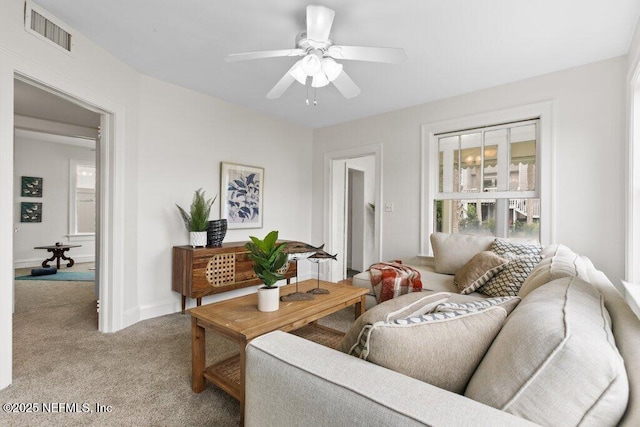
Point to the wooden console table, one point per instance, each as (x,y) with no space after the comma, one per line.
(58,253)
(198,272)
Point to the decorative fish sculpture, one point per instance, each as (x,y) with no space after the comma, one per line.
(305,250)
(293,247)
(322,255)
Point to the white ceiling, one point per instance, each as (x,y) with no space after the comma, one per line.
(453,46)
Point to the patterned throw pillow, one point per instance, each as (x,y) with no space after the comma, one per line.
(478,271)
(511,278)
(503,247)
(508,303)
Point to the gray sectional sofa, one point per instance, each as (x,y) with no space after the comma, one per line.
(566,351)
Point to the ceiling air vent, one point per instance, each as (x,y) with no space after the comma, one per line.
(37,23)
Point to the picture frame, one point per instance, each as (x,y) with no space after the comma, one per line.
(31,186)
(30,212)
(242,195)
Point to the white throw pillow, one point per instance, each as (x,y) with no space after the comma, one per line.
(452,251)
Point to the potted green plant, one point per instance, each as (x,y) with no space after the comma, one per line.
(268,258)
(197,219)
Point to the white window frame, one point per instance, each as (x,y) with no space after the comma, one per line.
(543,111)
(73,205)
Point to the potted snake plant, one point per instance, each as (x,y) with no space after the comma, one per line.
(268,258)
(197,219)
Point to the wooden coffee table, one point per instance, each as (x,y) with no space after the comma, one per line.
(239,320)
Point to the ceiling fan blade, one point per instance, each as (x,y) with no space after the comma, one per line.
(264,54)
(282,85)
(346,86)
(390,55)
(319,22)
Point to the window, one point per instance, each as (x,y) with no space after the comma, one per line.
(489,174)
(82,198)
(487,181)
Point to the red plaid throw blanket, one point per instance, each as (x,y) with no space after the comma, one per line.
(391,279)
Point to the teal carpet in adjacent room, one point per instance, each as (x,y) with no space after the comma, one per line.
(66,276)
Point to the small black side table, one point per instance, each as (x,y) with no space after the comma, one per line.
(58,253)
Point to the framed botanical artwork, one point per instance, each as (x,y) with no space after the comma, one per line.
(30,212)
(242,192)
(31,186)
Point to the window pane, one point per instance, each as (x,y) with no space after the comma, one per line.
(448,154)
(465,216)
(86,205)
(85,199)
(85,176)
(470,162)
(524,218)
(522,167)
(495,149)
(440,171)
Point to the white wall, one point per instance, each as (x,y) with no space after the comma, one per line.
(589,142)
(49,161)
(183,138)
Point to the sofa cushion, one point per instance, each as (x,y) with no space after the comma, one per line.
(502,247)
(478,271)
(452,251)
(557,261)
(441,348)
(557,342)
(510,279)
(404,305)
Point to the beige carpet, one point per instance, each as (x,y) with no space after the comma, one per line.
(142,372)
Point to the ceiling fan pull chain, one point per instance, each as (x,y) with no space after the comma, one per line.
(307,101)
(315,95)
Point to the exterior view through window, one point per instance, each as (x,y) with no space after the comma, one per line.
(487,181)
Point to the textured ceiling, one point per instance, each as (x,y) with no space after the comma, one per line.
(453,46)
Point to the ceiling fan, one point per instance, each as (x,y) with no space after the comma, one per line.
(318,64)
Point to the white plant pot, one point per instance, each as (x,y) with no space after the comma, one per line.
(268,299)
(198,238)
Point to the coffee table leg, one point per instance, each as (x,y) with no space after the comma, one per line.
(360,307)
(243,366)
(198,356)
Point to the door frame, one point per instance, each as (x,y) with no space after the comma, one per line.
(330,202)
(110,304)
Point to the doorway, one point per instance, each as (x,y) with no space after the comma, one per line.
(353,225)
(357,229)
(56,142)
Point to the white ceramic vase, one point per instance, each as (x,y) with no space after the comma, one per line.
(268,299)
(198,238)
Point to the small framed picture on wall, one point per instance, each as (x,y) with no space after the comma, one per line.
(242,192)
(31,186)
(30,212)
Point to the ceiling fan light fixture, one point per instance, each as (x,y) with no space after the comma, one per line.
(320,80)
(331,68)
(312,63)
(298,73)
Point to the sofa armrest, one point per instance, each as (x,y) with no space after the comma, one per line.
(293,381)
